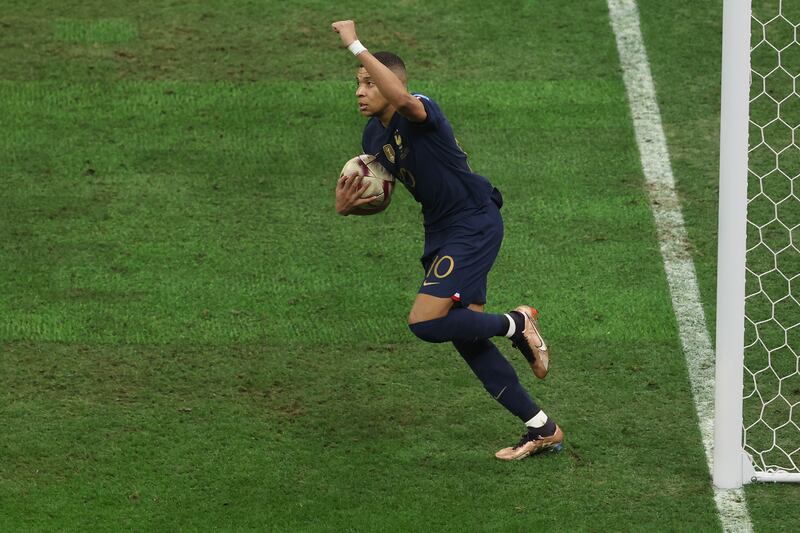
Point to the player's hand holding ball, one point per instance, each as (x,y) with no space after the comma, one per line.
(364,187)
(348,194)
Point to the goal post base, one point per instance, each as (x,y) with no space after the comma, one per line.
(751,475)
(776,477)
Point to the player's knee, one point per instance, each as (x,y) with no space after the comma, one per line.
(429,330)
(414,317)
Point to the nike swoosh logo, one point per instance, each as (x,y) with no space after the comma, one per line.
(426,283)
(542,345)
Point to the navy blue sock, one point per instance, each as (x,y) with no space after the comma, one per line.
(498,377)
(461,325)
(546,430)
(519,335)
(519,321)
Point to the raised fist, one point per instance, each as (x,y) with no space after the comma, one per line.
(346,30)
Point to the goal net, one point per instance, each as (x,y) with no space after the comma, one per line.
(771,394)
(757,375)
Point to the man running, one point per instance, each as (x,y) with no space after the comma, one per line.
(413,140)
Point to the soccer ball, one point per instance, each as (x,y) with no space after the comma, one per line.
(379,182)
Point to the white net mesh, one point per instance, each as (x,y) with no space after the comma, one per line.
(772,305)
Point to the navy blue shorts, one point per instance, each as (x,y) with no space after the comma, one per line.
(457,260)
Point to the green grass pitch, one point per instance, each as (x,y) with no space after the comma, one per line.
(191,339)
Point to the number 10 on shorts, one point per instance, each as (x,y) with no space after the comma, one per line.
(441,267)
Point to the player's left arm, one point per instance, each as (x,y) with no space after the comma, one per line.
(390,86)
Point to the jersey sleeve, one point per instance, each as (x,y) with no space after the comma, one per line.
(432,110)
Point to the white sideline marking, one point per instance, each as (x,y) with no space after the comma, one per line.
(673,242)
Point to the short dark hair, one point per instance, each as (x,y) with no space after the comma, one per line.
(391,60)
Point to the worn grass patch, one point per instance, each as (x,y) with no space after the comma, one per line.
(332,438)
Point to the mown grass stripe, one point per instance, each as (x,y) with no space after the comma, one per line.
(168,212)
(105,31)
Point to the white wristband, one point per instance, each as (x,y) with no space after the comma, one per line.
(356,47)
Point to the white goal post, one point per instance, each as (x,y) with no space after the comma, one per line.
(757,381)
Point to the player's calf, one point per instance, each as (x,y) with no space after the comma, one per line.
(498,377)
(460,324)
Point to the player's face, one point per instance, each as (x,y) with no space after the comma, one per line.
(370,100)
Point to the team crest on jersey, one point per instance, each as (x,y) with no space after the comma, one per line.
(389,151)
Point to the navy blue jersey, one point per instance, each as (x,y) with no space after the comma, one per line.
(427,159)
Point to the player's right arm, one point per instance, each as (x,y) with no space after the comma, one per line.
(348,195)
(393,88)
(390,86)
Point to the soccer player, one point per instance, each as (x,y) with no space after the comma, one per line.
(412,139)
